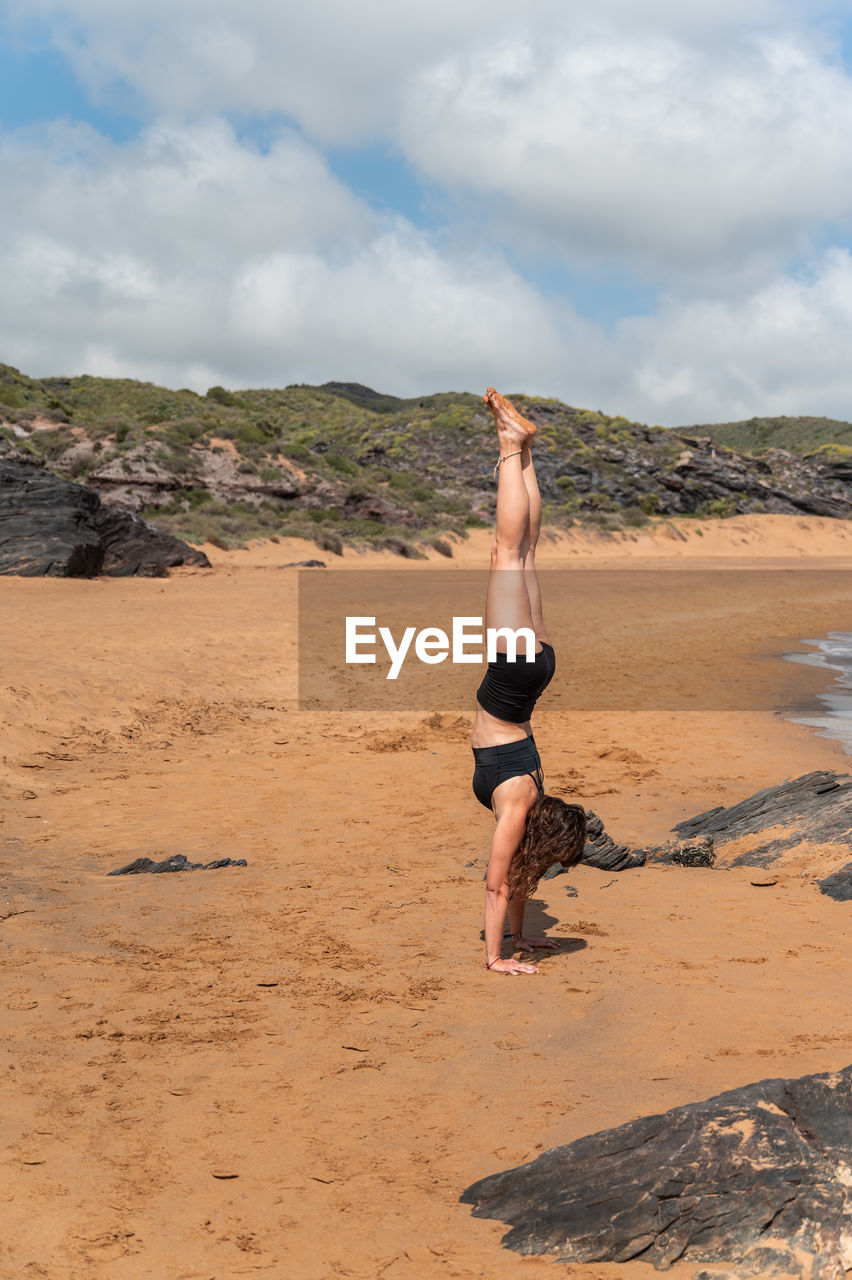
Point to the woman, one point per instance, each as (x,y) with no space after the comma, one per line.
(533,830)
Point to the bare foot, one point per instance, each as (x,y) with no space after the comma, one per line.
(537,944)
(507,417)
(512,966)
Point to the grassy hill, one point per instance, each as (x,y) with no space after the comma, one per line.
(807,436)
(341,462)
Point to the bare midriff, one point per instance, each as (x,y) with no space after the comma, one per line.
(489,731)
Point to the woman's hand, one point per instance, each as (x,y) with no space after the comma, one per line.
(536,944)
(511,966)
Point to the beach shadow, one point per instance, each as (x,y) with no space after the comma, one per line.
(537,923)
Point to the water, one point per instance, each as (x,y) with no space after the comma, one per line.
(834,653)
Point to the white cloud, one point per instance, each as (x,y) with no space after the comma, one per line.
(647,152)
(782,349)
(678,142)
(191,258)
(699,141)
(150,262)
(339,69)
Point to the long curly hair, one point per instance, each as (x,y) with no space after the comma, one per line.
(555,832)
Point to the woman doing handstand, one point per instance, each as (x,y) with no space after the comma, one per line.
(533,830)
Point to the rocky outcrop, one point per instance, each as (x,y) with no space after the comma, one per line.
(817,806)
(756,1178)
(53,528)
(145,476)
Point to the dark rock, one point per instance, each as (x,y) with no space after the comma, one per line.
(602,852)
(817,806)
(303,564)
(52,528)
(177,862)
(46,525)
(134,548)
(361,505)
(756,1178)
(838,885)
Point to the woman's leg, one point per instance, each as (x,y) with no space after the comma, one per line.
(507,603)
(530,575)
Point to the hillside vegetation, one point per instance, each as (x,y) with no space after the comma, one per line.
(825,436)
(344,463)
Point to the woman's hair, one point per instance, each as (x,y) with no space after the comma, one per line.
(555,832)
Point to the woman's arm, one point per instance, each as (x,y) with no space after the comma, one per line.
(507,838)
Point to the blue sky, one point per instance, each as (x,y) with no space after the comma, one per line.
(634,207)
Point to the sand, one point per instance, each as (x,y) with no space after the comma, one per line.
(293,1069)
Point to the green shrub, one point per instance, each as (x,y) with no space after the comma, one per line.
(341,464)
(401,547)
(296,453)
(247,433)
(220,395)
(598,501)
(50,444)
(565,482)
(718,508)
(329,542)
(833,452)
(650,504)
(184,433)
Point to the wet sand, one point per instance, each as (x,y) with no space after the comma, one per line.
(319,1026)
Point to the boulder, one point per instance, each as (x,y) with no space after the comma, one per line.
(53,528)
(756,1178)
(47,526)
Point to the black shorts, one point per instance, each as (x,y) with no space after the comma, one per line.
(509,760)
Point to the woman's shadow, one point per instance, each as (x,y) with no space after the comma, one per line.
(536,924)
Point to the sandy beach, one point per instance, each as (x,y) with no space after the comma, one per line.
(294,1068)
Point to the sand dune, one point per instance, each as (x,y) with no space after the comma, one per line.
(293,1069)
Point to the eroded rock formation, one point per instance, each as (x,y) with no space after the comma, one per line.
(757,1178)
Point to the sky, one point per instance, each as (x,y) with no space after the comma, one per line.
(637,206)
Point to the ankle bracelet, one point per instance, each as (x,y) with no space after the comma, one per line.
(504,459)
